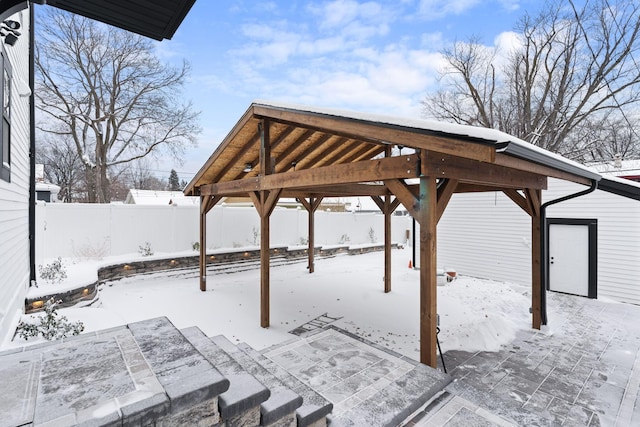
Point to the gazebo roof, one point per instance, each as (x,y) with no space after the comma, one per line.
(303,137)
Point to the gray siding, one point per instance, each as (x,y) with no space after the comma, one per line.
(14,196)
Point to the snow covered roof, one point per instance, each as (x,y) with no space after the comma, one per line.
(158,197)
(503,142)
(305,138)
(619,168)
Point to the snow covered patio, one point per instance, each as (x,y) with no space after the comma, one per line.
(583,370)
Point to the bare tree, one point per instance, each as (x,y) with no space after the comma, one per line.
(62,166)
(572,69)
(106,90)
(138,175)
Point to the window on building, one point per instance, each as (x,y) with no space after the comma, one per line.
(5,123)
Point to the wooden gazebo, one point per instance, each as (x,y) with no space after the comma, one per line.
(280,150)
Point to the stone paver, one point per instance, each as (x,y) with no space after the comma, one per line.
(340,367)
(111,377)
(586,372)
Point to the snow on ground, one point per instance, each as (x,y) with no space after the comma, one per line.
(474,314)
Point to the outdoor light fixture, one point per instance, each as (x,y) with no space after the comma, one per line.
(247,168)
(37,304)
(9,30)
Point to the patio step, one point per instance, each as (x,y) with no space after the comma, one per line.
(240,405)
(315,408)
(280,408)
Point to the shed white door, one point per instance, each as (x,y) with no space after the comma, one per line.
(569,259)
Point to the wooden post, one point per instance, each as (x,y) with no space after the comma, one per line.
(534,198)
(206,204)
(428,286)
(311,206)
(265,252)
(387,243)
(203,242)
(386,209)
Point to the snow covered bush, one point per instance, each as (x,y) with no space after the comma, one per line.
(54,272)
(50,325)
(145,250)
(195,246)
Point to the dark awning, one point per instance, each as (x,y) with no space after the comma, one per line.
(156,19)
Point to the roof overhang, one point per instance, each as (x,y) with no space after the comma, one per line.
(156,19)
(619,187)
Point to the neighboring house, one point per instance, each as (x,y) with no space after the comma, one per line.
(594,240)
(157,20)
(627,169)
(159,197)
(14,173)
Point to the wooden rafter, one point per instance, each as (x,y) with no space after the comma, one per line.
(301,158)
(251,142)
(366,130)
(328,155)
(289,152)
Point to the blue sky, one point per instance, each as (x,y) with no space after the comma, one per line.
(371,56)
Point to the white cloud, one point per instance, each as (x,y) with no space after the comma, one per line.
(435,9)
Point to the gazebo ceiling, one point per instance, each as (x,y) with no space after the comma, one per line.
(305,138)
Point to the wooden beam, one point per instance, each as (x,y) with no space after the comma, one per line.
(475,172)
(349,190)
(428,220)
(266,165)
(300,158)
(525,165)
(365,171)
(384,133)
(518,199)
(406,197)
(445,191)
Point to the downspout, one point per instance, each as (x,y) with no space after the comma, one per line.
(544,271)
(32,151)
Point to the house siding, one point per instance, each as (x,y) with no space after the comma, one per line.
(487,235)
(14,195)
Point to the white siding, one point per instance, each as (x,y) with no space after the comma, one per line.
(487,235)
(14,196)
(618,237)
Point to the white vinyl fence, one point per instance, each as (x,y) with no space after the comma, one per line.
(92,230)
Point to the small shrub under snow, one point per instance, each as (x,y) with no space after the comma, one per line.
(50,325)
